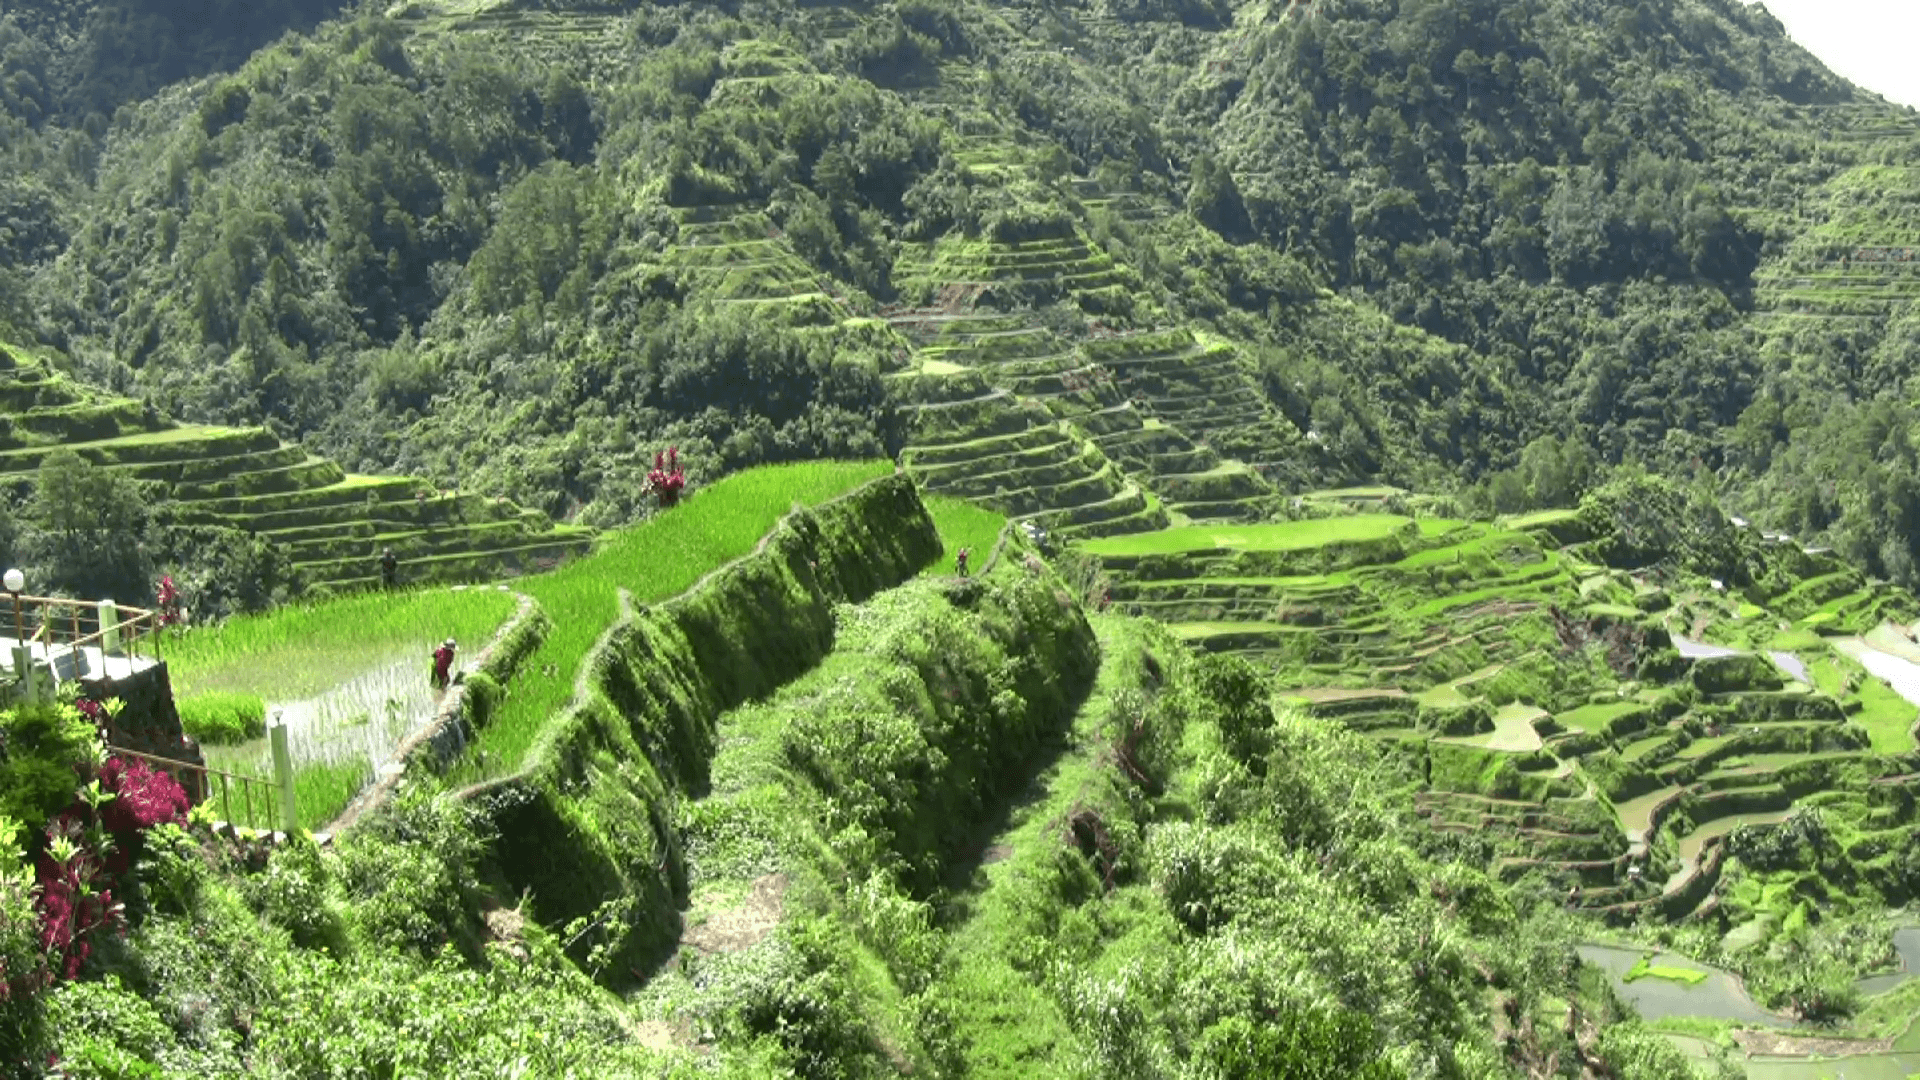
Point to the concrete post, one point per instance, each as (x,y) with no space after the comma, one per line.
(109,637)
(23,667)
(283,776)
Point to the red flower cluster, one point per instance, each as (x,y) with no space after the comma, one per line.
(143,797)
(667,478)
(168,601)
(76,892)
(76,899)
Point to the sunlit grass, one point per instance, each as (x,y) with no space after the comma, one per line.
(963,524)
(302,650)
(1284,536)
(654,560)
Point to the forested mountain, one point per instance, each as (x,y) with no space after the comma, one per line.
(454,238)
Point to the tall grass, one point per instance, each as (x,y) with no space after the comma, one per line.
(654,560)
(300,651)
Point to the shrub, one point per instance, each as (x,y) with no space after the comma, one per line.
(224,719)
(410,873)
(293,894)
(106,1031)
(42,749)
(23,963)
(483,697)
(1294,1042)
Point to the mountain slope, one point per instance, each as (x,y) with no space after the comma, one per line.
(522,249)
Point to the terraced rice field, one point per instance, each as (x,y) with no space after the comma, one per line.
(653,561)
(333,525)
(1506,671)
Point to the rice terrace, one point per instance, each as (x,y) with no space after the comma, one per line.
(1147,540)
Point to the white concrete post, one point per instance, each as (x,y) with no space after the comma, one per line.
(283,776)
(23,667)
(109,636)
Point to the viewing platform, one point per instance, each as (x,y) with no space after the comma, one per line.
(75,640)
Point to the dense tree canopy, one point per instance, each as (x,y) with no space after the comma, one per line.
(1555,233)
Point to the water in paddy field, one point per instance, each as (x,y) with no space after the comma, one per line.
(1700,650)
(1722,997)
(1898,672)
(1792,665)
(363,719)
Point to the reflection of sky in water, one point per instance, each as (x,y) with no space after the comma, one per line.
(1700,650)
(1791,664)
(1906,942)
(1719,997)
(1902,675)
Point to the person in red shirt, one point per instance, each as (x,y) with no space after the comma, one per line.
(443,665)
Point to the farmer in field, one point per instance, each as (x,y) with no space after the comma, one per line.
(389,568)
(443,665)
(960,561)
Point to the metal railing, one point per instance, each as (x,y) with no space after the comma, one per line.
(63,626)
(257,795)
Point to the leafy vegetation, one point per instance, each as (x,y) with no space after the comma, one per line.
(1532,293)
(224,717)
(657,559)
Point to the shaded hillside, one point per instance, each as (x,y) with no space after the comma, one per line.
(84,58)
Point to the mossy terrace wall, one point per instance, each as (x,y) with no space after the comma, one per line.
(332,525)
(592,817)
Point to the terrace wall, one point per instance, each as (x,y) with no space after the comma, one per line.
(149,722)
(592,817)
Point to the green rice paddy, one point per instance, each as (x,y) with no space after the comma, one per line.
(657,559)
(301,650)
(963,524)
(1283,536)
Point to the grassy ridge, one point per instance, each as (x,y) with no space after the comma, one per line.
(297,652)
(654,560)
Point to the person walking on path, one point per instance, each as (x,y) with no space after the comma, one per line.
(960,561)
(389,569)
(443,665)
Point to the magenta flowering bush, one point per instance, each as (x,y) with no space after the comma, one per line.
(90,848)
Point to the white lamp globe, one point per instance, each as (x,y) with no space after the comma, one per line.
(15,581)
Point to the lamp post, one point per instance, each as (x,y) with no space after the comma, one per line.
(15,581)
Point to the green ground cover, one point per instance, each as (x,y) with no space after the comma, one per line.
(1598,716)
(1283,536)
(654,560)
(963,524)
(299,651)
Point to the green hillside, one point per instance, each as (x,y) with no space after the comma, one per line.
(510,246)
(331,526)
(1359,674)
